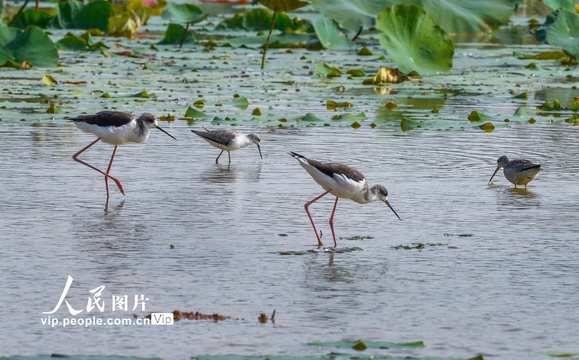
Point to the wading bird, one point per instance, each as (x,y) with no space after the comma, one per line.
(115,128)
(518,172)
(228,140)
(342,181)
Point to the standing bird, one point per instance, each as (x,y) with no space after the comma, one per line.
(518,172)
(115,128)
(228,140)
(342,181)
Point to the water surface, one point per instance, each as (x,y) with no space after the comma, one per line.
(508,291)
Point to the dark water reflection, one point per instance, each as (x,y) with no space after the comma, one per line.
(198,236)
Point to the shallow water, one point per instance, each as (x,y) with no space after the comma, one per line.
(508,291)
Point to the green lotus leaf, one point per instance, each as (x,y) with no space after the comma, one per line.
(326,70)
(126,25)
(329,34)
(67,10)
(31,45)
(556,4)
(184,13)
(174,34)
(564,31)
(194,113)
(277,41)
(39,18)
(467,16)
(94,15)
(414,41)
(284,5)
(260,19)
(351,14)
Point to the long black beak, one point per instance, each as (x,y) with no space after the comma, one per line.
(258,148)
(498,168)
(391,208)
(158,127)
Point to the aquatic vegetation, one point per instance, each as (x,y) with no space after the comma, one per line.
(31,46)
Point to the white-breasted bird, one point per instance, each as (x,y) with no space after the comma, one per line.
(342,181)
(228,140)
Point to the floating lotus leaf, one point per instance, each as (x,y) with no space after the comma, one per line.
(284,40)
(326,70)
(184,13)
(48,80)
(369,345)
(414,41)
(79,43)
(194,113)
(31,45)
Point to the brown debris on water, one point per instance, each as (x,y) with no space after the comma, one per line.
(196,315)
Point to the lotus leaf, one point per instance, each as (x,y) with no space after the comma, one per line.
(33,17)
(467,16)
(257,19)
(184,13)
(284,5)
(351,14)
(329,34)
(174,35)
(31,45)
(563,31)
(414,41)
(556,4)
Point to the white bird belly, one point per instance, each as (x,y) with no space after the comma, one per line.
(111,134)
(342,186)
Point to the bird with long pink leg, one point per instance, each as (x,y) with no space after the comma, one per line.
(115,128)
(342,181)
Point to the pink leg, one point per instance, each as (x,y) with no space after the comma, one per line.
(310,216)
(75,157)
(109,170)
(332,222)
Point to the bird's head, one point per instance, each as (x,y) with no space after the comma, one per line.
(256,140)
